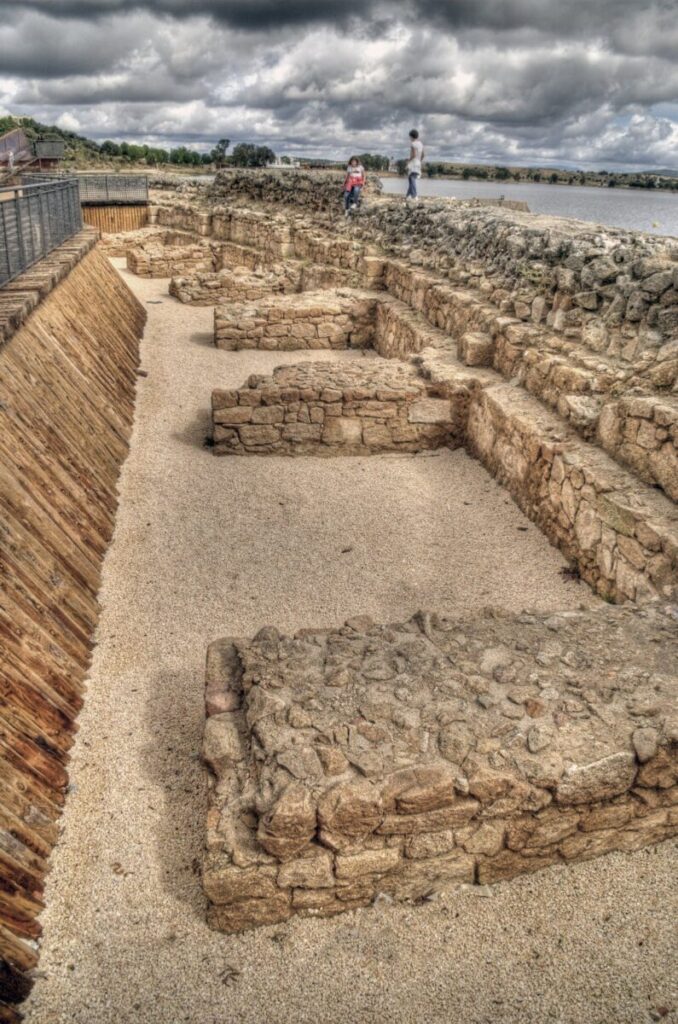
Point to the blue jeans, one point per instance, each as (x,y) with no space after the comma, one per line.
(352,195)
(412,185)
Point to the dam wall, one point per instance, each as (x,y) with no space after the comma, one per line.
(68,360)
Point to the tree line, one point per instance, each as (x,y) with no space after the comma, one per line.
(244,154)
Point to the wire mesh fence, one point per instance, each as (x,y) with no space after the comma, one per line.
(100,189)
(34,220)
(113,189)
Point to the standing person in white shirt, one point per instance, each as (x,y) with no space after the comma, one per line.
(414,163)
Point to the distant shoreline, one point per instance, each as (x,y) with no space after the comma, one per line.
(529,181)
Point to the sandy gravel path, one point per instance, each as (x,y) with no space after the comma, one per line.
(206,547)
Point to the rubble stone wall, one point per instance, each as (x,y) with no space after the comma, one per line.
(212,289)
(623,539)
(353,410)
(314,320)
(402,759)
(642,432)
(615,290)
(182,215)
(269,232)
(319,191)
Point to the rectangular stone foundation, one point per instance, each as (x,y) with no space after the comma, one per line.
(340,319)
(164,255)
(401,759)
(332,409)
(235,285)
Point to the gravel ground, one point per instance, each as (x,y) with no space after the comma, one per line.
(207,547)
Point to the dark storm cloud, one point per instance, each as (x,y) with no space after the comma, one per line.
(245,14)
(510,80)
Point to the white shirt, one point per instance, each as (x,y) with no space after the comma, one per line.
(414,165)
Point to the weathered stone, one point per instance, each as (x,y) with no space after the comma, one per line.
(231,884)
(351,809)
(222,744)
(288,827)
(599,780)
(238,917)
(414,790)
(311,872)
(645,743)
(369,862)
(429,821)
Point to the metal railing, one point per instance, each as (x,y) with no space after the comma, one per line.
(34,220)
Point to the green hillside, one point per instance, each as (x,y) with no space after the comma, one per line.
(77,147)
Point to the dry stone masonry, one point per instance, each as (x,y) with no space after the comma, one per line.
(315,320)
(356,410)
(399,759)
(169,253)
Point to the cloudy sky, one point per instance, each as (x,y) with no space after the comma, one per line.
(590,83)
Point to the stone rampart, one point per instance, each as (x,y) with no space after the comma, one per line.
(69,352)
(402,759)
(319,191)
(615,290)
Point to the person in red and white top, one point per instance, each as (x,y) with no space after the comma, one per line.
(353,184)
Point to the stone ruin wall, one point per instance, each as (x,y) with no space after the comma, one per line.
(388,761)
(314,320)
(361,410)
(615,290)
(623,542)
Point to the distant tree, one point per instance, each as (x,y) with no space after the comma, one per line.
(247,155)
(554,178)
(536,176)
(401,166)
(109,148)
(467,173)
(502,173)
(156,156)
(218,154)
(285,160)
(184,156)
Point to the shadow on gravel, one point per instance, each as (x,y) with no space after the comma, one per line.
(172,764)
(195,432)
(205,339)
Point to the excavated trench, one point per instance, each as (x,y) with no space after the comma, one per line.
(205,547)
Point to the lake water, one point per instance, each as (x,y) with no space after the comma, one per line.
(656,212)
